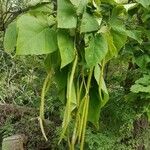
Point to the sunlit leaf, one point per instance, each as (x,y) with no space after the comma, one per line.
(34,36)
(66,14)
(88,23)
(121,1)
(145,3)
(130,6)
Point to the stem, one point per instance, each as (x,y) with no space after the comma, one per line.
(77,122)
(85,110)
(82,120)
(85,122)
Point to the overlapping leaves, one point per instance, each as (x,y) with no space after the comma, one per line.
(95,40)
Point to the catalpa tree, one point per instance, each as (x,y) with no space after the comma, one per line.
(78,39)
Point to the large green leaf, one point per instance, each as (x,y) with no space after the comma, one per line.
(145,3)
(66,47)
(66,14)
(88,23)
(96,49)
(35,36)
(10,37)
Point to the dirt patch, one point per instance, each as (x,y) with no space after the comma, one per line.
(21,120)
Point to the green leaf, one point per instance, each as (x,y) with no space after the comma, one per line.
(66,47)
(36,2)
(50,61)
(88,23)
(42,8)
(121,1)
(142,60)
(60,78)
(142,85)
(75,2)
(112,2)
(112,50)
(130,6)
(117,11)
(135,34)
(119,37)
(140,88)
(81,7)
(118,31)
(94,107)
(144,3)
(10,37)
(96,49)
(103,92)
(66,14)
(35,36)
